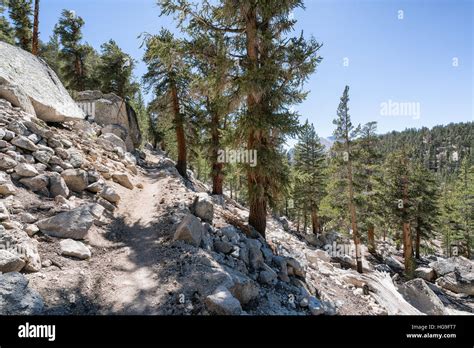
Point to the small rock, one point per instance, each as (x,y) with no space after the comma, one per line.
(76,179)
(7,189)
(109,194)
(75,158)
(267,276)
(6,162)
(26,170)
(24,143)
(31,229)
(10,262)
(58,186)
(315,306)
(4,213)
(70,224)
(75,249)
(221,302)
(95,187)
(425,273)
(42,156)
(37,183)
(122,179)
(223,247)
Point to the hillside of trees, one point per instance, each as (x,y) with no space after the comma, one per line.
(229,82)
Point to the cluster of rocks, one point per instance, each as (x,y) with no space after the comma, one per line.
(112,113)
(455,274)
(251,265)
(54,182)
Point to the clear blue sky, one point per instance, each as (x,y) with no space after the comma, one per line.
(408,60)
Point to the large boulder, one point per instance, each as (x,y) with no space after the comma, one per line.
(420,296)
(70,224)
(221,302)
(425,273)
(203,207)
(27,82)
(16,298)
(189,230)
(111,142)
(115,115)
(445,266)
(458,282)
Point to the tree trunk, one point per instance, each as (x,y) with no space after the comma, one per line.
(78,70)
(408,250)
(181,166)
(305,221)
(417,242)
(217,168)
(258,215)
(315,221)
(355,232)
(298,221)
(371,239)
(256,187)
(35,40)
(407,242)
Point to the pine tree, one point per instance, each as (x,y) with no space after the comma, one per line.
(310,165)
(368,181)
(6,31)
(426,205)
(169,75)
(218,96)
(115,71)
(20,12)
(35,39)
(400,200)
(272,70)
(69,31)
(50,52)
(138,104)
(457,212)
(345,134)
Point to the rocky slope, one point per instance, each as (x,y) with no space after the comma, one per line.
(94,229)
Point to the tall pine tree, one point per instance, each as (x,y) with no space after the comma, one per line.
(115,71)
(73,52)
(168,76)
(345,134)
(310,165)
(6,31)
(20,13)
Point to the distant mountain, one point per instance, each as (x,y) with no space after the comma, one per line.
(327,142)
